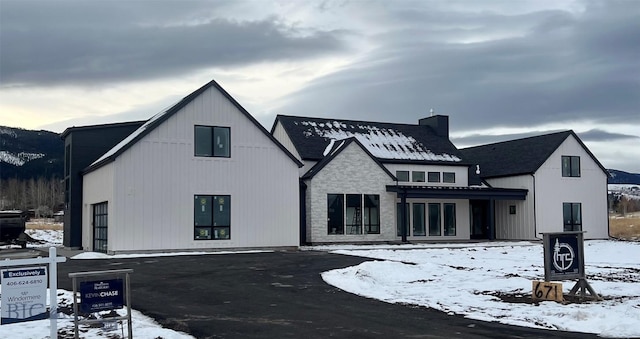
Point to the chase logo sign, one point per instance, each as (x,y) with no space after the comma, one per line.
(101,295)
(563,256)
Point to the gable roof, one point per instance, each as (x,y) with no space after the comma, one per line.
(520,156)
(387,142)
(336,148)
(159,118)
(87,128)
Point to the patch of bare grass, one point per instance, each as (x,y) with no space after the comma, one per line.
(43,224)
(627,228)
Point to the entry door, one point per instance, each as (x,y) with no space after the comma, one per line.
(100,223)
(479,219)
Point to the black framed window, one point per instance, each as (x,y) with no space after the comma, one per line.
(399,219)
(433,176)
(419,219)
(434,219)
(372,214)
(212,141)
(570,166)
(212,217)
(335,213)
(402,176)
(449,219)
(512,209)
(417,176)
(449,177)
(100,226)
(572,215)
(354,214)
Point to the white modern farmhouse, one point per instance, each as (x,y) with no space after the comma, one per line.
(202,174)
(372,181)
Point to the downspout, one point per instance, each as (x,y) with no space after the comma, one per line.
(303,213)
(535,221)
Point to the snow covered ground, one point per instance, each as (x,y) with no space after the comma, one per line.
(493,282)
(489,281)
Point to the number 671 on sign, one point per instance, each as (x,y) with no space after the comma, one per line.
(544,290)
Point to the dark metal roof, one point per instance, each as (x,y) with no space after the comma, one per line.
(388,142)
(159,118)
(336,149)
(453,192)
(518,157)
(100,126)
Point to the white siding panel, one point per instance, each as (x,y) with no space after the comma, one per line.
(522,225)
(281,135)
(590,189)
(97,187)
(156,180)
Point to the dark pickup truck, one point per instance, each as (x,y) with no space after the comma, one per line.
(12,226)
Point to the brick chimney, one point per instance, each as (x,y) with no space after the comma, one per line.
(439,123)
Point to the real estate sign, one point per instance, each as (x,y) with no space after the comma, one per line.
(101,295)
(563,256)
(24,295)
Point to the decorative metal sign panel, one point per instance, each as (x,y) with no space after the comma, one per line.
(563,256)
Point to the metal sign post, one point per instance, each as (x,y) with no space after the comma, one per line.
(564,260)
(98,294)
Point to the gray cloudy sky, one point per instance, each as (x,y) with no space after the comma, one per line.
(499,69)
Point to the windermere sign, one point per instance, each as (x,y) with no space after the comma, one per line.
(24,295)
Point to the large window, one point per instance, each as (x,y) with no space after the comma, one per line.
(399,222)
(335,213)
(570,166)
(433,176)
(354,214)
(418,219)
(372,214)
(212,217)
(212,141)
(402,176)
(572,214)
(100,225)
(449,219)
(434,219)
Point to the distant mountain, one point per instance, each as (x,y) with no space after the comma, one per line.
(621,177)
(29,154)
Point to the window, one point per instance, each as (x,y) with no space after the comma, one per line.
(212,217)
(335,213)
(212,141)
(570,166)
(399,221)
(354,214)
(449,219)
(434,219)
(100,224)
(372,214)
(418,176)
(418,220)
(572,214)
(402,176)
(434,176)
(512,209)
(449,177)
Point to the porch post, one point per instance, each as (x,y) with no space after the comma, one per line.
(492,229)
(403,206)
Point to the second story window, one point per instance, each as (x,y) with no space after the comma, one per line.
(402,176)
(433,176)
(449,177)
(570,166)
(212,141)
(418,176)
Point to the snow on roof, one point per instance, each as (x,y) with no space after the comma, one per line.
(385,143)
(131,137)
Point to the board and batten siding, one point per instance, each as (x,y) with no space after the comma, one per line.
(281,135)
(589,189)
(350,172)
(156,179)
(519,226)
(97,187)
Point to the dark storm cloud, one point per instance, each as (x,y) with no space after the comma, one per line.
(560,67)
(53,42)
(590,135)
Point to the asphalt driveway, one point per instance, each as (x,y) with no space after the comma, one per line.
(278,295)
